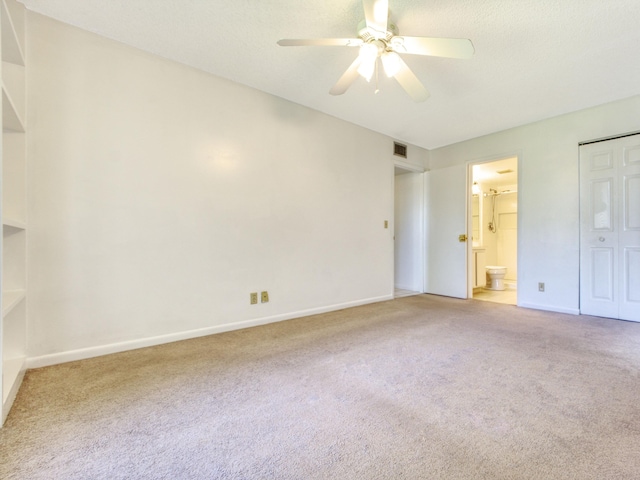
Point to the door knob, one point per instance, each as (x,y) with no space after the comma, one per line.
(601,239)
(462,238)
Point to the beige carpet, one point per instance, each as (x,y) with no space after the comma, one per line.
(419,387)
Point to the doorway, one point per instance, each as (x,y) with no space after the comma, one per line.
(493,227)
(408,225)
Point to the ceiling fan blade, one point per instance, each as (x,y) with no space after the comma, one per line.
(376,13)
(410,83)
(437,47)
(347,78)
(322,42)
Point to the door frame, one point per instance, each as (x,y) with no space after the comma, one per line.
(493,158)
(421,260)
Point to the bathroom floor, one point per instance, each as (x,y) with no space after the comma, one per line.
(508,296)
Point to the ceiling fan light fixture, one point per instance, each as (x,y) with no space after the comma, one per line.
(368,56)
(368,51)
(391,63)
(367,68)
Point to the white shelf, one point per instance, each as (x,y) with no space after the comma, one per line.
(10,299)
(13,82)
(13,325)
(11,121)
(11,223)
(11,47)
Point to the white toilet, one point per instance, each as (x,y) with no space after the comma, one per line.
(495,277)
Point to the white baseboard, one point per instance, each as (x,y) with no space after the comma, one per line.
(550,308)
(91,352)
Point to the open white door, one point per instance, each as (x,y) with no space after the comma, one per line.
(446,220)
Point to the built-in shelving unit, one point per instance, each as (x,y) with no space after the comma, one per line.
(13,214)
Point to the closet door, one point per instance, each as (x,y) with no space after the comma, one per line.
(610,228)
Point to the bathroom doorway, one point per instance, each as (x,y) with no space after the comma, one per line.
(493,224)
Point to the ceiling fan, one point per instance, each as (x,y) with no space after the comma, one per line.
(378,38)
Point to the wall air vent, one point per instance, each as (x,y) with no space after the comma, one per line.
(502,172)
(399,150)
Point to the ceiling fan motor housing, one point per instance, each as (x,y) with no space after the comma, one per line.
(368,35)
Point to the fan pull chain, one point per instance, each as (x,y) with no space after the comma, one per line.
(376,70)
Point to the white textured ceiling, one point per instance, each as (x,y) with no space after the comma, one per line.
(534,59)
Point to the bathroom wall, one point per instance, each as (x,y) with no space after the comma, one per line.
(501,246)
(507,233)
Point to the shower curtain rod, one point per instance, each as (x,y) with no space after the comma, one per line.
(494,194)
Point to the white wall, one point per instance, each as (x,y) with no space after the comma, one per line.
(161,196)
(548,186)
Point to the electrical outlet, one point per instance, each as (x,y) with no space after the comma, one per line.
(253,297)
(264,297)
(386,224)
(541,286)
